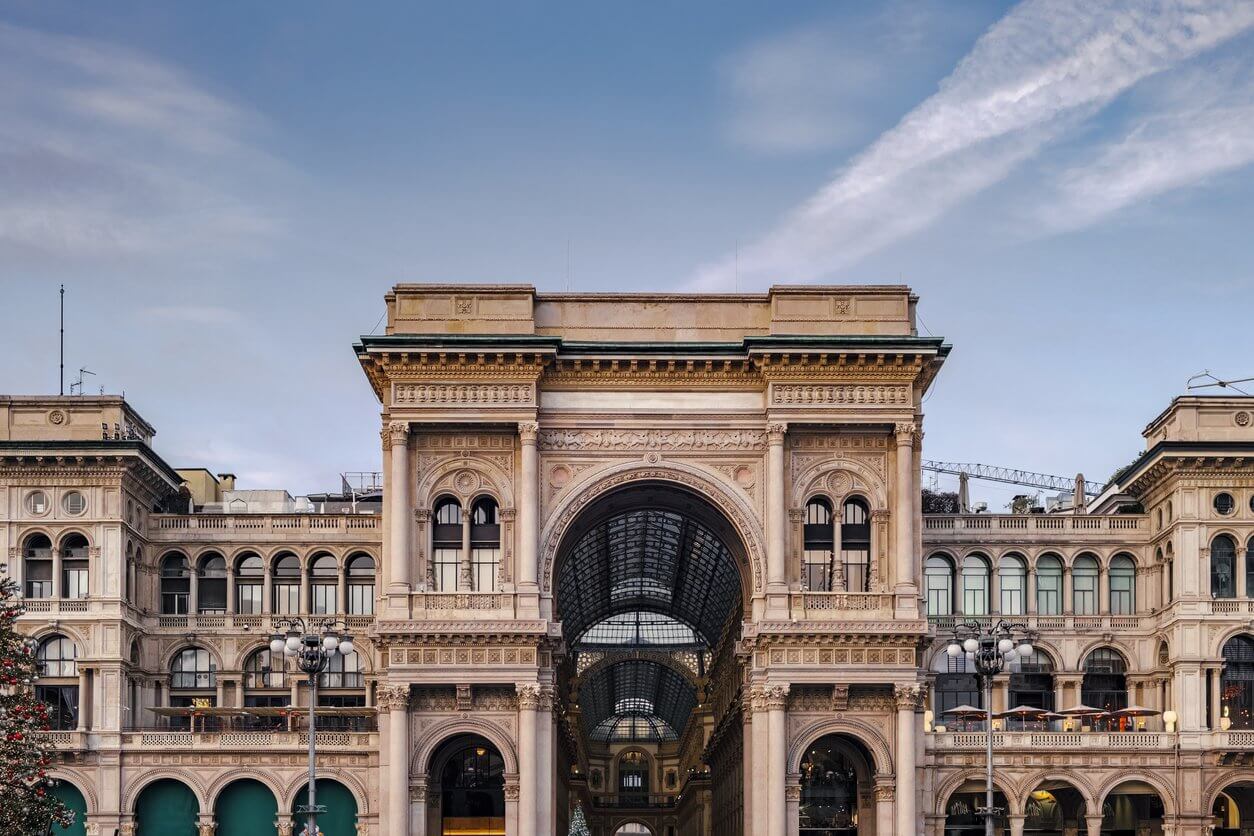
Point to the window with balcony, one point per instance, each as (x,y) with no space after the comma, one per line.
(360,568)
(37,566)
(285,585)
(74,571)
(1049,585)
(956,684)
(819,541)
(485,545)
(193,678)
(324,581)
(1237,682)
(1084,585)
(211,584)
(57,658)
(975,597)
(342,672)
(1105,683)
(176,584)
(250,579)
(1122,585)
(1032,681)
(265,681)
(446,544)
(1223,567)
(855,545)
(1013,579)
(938,580)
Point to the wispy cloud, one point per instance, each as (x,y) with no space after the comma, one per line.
(106,152)
(1031,77)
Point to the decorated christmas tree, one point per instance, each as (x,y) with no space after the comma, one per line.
(27,805)
(578,825)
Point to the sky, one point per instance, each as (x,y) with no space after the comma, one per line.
(227,190)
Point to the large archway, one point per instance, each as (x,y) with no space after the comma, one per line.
(837,778)
(166,807)
(340,816)
(466,787)
(246,807)
(650,585)
(1133,808)
(1054,808)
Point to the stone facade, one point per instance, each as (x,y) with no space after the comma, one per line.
(517,428)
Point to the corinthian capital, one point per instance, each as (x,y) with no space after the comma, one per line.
(398,433)
(527,431)
(905,432)
(776,697)
(775,432)
(393,697)
(528,696)
(909,697)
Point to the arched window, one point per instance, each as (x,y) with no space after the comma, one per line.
(819,539)
(285,585)
(74,572)
(633,773)
(830,788)
(1249,563)
(360,568)
(975,585)
(37,566)
(265,680)
(1049,585)
(176,584)
(57,687)
(342,672)
(855,545)
(472,790)
(956,684)
(446,544)
(1122,585)
(1032,681)
(1105,684)
(250,574)
(1238,682)
(324,584)
(193,669)
(1171,573)
(1223,567)
(938,578)
(485,545)
(211,584)
(1013,580)
(1084,575)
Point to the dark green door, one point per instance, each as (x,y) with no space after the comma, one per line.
(341,815)
(166,808)
(72,798)
(246,808)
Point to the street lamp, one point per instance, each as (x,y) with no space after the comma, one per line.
(313,650)
(990,651)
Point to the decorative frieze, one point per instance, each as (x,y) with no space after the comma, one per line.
(840,394)
(478,656)
(842,655)
(649,439)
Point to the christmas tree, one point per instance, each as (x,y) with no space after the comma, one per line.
(27,806)
(578,826)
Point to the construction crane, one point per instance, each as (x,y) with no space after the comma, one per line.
(1012,476)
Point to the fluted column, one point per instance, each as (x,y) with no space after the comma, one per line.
(909,701)
(903,507)
(528,786)
(529,509)
(399,508)
(776,766)
(776,518)
(394,699)
(761,748)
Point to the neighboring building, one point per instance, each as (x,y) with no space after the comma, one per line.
(660,556)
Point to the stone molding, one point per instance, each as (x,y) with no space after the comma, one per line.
(662,440)
(463,394)
(398,433)
(840,394)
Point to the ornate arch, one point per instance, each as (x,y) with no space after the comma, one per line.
(242,773)
(342,776)
(628,819)
(818,478)
(215,653)
(27,533)
(863,732)
(1232,632)
(86,535)
(80,782)
(1164,790)
(1129,656)
(46,631)
(188,779)
(434,737)
(708,484)
(1035,779)
(485,478)
(947,788)
(1222,783)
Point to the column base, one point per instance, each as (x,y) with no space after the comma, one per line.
(777,603)
(527,601)
(906,602)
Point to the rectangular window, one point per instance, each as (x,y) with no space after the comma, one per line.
(974,594)
(444,567)
(174,603)
(816,567)
(1085,598)
(939,595)
(1012,594)
(286,598)
(38,579)
(1121,597)
(248,598)
(211,596)
(62,702)
(324,599)
(1048,594)
(361,599)
(484,563)
(857,567)
(75,582)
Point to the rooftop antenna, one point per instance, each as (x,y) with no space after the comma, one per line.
(1205,375)
(79,384)
(62,339)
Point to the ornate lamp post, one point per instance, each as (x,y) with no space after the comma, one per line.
(990,650)
(313,651)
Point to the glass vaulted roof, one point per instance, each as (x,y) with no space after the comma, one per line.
(636,699)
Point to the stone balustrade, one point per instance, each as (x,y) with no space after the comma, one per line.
(200,528)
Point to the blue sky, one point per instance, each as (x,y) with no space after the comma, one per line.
(228,189)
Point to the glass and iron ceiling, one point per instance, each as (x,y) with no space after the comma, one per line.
(636,582)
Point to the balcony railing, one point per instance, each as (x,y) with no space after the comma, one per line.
(219,621)
(1033,522)
(260,741)
(184,526)
(833,605)
(1047,741)
(1063,623)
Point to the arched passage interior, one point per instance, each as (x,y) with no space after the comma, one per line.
(245,808)
(1054,808)
(649,584)
(961,816)
(340,818)
(467,781)
(837,779)
(1134,808)
(72,798)
(166,807)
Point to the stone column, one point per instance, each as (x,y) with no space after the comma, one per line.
(465,575)
(230,588)
(792,804)
(777,754)
(418,810)
(528,785)
(306,599)
(267,591)
(909,701)
(528,571)
(1068,592)
(1017,821)
(747,767)
(394,699)
(903,507)
(193,595)
(545,780)
(399,510)
(205,825)
(56,572)
(283,825)
(511,803)
(1241,573)
(885,794)
(1094,823)
(1103,590)
(761,747)
(776,522)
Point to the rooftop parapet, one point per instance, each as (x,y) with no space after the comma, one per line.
(71,418)
(1203,418)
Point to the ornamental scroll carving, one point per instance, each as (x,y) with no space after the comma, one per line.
(528,696)
(775,697)
(719,440)
(393,697)
(795,394)
(909,697)
(398,433)
(473,394)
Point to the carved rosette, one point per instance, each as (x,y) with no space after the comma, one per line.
(528,431)
(909,697)
(529,696)
(775,697)
(398,433)
(393,697)
(775,432)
